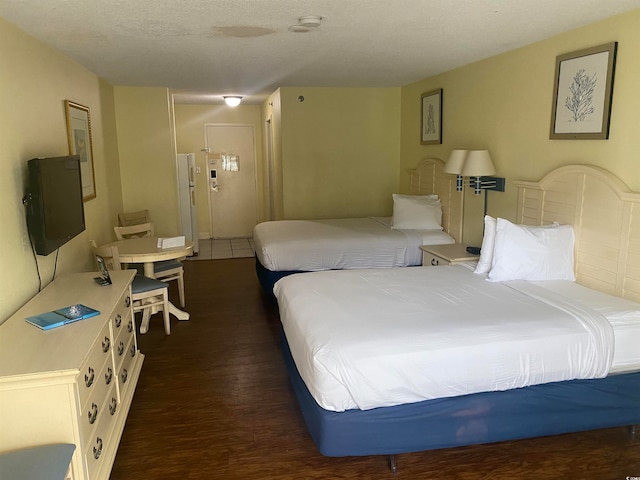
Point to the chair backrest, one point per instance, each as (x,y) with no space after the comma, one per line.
(108,253)
(133,218)
(134,231)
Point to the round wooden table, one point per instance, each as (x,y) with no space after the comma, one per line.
(146,251)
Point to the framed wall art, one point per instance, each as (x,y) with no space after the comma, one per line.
(582,93)
(80,143)
(431,123)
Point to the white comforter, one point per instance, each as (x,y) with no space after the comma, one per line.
(346,243)
(372,338)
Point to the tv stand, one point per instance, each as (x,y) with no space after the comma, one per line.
(75,383)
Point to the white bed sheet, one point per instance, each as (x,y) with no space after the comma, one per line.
(336,244)
(373,338)
(623,315)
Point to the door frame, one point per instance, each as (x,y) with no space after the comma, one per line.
(209,149)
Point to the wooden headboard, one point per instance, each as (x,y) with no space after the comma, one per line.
(606,220)
(429,178)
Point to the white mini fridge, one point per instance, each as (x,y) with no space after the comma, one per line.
(187,197)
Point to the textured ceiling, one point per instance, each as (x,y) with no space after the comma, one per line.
(208,48)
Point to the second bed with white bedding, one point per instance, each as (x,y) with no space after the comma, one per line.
(347,243)
(366,339)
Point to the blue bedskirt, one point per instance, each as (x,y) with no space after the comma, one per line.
(535,411)
(268,278)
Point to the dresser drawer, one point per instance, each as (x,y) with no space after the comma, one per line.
(128,357)
(122,336)
(98,443)
(121,314)
(97,402)
(92,367)
(433,260)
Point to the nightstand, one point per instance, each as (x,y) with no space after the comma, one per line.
(450,254)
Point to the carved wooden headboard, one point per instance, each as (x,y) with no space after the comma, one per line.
(429,178)
(606,220)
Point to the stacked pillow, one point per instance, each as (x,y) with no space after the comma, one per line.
(416,212)
(522,252)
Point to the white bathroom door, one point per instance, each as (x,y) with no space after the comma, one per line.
(231,171)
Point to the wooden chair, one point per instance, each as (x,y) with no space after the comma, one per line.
(146,293)
(167,270)
(133,218)
(138,230)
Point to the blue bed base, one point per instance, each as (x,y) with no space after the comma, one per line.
(268,278)
(535,411)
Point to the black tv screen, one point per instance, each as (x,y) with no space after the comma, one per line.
(55,209)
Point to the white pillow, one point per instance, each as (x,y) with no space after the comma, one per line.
(488,243)
(532,253)
(426,198)
(416,212)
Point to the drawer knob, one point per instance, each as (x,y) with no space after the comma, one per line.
(97,450)
(127,301)
(106,343)
(130,326)
(124,375)
(93,413)
(132,351)
(118,320)
(120,348)
(113,406)
(108,376)
(89,377)
(434,262)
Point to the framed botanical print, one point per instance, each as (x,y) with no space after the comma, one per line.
(431,123)
(582,93)
(80,143)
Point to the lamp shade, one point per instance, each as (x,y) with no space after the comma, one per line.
(455,163)
(232,101)
(478,164)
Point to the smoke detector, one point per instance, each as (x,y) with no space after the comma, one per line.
(310,21)
(306,23)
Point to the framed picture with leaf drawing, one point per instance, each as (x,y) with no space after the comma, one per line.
(80,143)
(582,93)
(431,124)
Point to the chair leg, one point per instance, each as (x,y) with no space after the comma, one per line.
(181,290)
(165,312)
(144,323)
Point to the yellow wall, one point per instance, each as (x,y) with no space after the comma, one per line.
(34,82)
(190,138)
(147,155)
(340,151)
(504,104)
(273,202)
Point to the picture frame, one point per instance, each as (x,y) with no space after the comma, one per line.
(582,93)
(431,118)
(81,143)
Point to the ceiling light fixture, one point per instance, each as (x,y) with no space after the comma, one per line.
(233,100)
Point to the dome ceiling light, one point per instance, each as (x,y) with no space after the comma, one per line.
(232,100)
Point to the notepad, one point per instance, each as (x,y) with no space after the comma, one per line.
(62,316)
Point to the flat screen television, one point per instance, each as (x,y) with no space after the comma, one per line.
(55,209)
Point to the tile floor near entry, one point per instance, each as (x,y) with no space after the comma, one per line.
(215,249)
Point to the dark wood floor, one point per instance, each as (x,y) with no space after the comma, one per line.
(213,401)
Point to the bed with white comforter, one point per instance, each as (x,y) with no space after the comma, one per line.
(431,214)
(375,338)
(345,243)
(538,338)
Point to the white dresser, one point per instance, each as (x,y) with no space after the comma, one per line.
(72,384)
